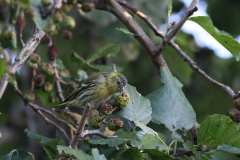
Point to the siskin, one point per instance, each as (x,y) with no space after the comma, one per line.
(95,90)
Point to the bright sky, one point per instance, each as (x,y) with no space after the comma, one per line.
(202,38)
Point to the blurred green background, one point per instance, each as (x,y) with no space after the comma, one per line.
(96,29)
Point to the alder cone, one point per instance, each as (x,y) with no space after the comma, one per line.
(52,52)
(20,23)
(66,34)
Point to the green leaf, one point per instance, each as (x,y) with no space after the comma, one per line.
(16,154)
(106,67)
(150,141)
(148,130)
(138,109)
(222,37)
(156,154)
(136,142)
(109,50)
(112,142)
(96,155)
(41,23)
(67,152)
(112,68)
(49,145)
(125,31)
(82,64)
(229,149)
(170,106)
(218,130)
(126,154)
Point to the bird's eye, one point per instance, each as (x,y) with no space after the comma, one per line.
(118,82)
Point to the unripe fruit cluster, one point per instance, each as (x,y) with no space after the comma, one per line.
(122,100)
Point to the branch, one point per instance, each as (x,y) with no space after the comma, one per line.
(175,46)
(27,50)
(51,122)
(191,9)
(97,132)
(39,111)
(22,56)
(79,132)
(133,27)
(193,65)
(57,79)
(140,35)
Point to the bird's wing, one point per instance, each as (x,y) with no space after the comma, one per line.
(87,84)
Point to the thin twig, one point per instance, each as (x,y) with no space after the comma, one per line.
(98,133)
(20,37)
(133,27)
(191,9)
(51,122)
(34,74)
(3,84)
(5,55)
(79,132)
(56,75)
(22,56)
(39,111)
(193,65)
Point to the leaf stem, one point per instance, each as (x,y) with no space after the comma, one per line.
(133,131)
(175,148)
(169,13)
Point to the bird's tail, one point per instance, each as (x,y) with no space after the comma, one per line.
(61,106)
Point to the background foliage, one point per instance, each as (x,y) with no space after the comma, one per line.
(97,29)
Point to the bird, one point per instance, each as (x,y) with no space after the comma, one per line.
(95,90)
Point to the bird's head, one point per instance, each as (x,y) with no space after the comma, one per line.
(117,82)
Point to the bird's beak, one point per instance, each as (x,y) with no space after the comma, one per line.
(121,90)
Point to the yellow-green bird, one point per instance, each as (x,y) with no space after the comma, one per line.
(95,90)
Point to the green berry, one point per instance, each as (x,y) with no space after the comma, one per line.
(47,87)
(69,22)
(35,58)
(58,17)
(45,2)
(105,108)
(115,124)
(66,7)
(30,12)
(122,100)
(8,35)
(29,96)
(88,7)
(96,122)
(47,69)
(51,29)
(38,80)
(32,66)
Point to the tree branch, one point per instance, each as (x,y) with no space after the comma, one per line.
(39,111)
(51,122)
(79,132)
(140,35)
(97,132)
(3,84)
(193,65)
(22,56)
(191,9)
(26,51)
